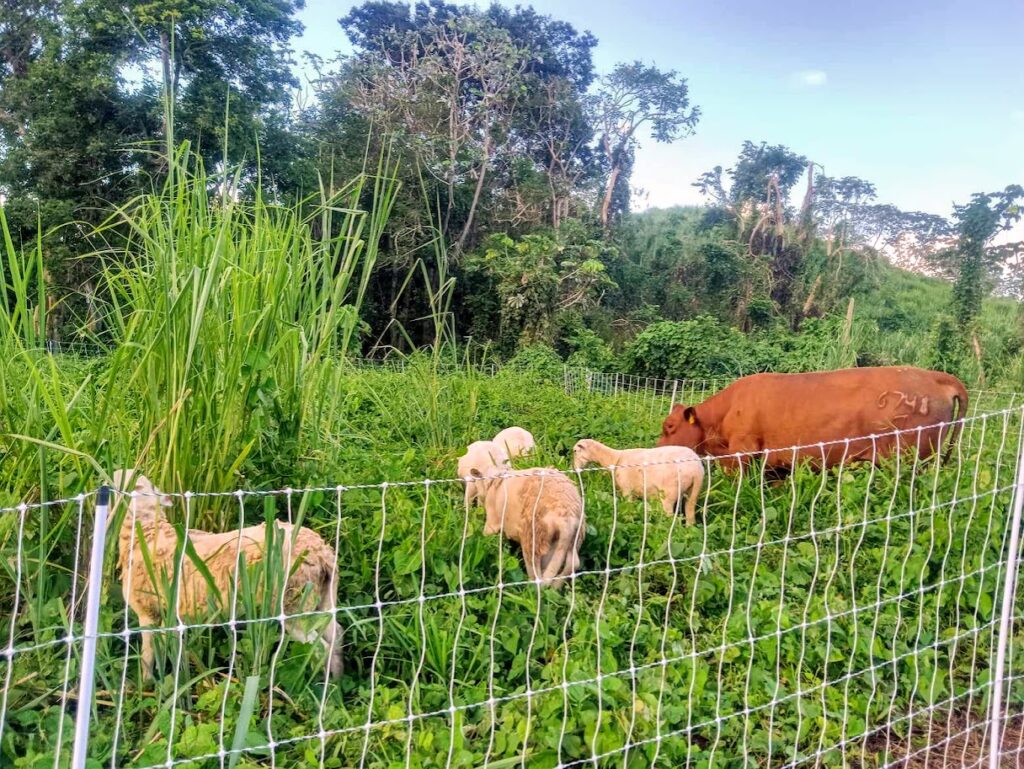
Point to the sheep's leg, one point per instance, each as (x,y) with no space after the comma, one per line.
(295,629)
(692,496)
(332,638)
(529,559)
(559,558)
(669,502)
(148,655)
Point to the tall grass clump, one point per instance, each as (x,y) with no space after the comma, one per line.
(225,317)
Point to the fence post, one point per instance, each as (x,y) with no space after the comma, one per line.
(675,385)
(995,716)
(87,674)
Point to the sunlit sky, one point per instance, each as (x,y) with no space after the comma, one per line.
(924,98)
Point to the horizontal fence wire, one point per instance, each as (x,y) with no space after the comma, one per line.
(840,617)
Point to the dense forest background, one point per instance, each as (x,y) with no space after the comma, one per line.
(512,220)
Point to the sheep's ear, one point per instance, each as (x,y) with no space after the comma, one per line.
(475,473)
(165,500)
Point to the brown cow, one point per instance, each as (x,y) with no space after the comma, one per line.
(779,411)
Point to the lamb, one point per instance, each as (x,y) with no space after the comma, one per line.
(666,471)
(516,441)
(486,456)
(311,569)
(540,509)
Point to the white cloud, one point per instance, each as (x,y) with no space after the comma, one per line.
(810,78)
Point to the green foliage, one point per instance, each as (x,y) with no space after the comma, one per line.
(540,277)
(538,362)
(589,351)
(948,347)
(698,348)
(757,168)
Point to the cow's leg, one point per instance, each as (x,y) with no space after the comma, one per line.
(742,445)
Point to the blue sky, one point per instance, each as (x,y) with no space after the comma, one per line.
(925,99)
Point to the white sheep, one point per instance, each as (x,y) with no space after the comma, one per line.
(310,566)
(666,471)
(542,510)
(516,441)
(485,456)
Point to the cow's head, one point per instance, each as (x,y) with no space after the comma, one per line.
(682,428)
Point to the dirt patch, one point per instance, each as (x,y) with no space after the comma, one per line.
(960,740)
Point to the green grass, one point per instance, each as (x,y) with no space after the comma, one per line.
(706,591)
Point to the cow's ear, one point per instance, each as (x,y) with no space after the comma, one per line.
(690,415)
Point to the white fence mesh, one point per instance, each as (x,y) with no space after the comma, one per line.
(846,617)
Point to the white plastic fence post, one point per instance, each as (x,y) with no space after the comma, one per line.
(995,716)
(675,386)
(87,675)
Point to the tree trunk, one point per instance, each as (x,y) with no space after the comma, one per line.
(809,302)
(476,197)
(806,221)
(165,60)
(976,346)
(609,191)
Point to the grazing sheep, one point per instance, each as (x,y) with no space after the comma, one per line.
(542,510)
(311,568)
(516,441)
(486,456)
(668,471)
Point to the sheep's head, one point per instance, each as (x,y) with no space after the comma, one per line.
(581,454)
(146,499)
(486,475)
(482,455)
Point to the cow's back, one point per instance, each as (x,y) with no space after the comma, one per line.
(778,411)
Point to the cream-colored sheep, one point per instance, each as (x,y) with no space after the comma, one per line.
(542,510)
(311,569)
(666,471)
(487,457)
(516,441)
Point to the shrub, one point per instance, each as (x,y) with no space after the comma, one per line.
(701,347)
(590,351)
(539,361)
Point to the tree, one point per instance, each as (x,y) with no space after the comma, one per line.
(841,207)
(765,173)
(978,222)
(227,63)
(67,128)
(760,184)
(449,90)
(632,96)
(538,134)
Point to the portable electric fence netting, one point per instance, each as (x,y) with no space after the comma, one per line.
(866,615)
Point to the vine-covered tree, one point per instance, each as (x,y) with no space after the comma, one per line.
(978,222)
